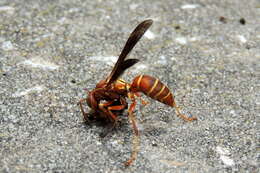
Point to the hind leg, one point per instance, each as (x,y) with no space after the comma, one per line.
(182,116)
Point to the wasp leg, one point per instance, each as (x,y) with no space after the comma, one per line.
(84,114)
(108,111)
(132,117)
(144,103)
(116,108)
(123,102)
(183,116)
(104,108)
(136,138)
(107,108)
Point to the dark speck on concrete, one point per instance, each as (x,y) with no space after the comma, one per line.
(242,21)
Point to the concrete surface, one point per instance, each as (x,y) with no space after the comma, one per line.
(206,51)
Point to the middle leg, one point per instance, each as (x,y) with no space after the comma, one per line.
(136,138)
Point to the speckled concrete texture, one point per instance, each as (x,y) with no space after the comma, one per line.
(206,51)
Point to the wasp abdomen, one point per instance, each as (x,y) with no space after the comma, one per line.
(153,88)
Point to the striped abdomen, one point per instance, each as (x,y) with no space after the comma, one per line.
(153,88)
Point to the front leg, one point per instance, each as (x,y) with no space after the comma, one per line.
(108,107)
(84,114)
(107,111)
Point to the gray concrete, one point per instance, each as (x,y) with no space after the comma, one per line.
(51,50)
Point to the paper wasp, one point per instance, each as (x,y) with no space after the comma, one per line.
(109,96)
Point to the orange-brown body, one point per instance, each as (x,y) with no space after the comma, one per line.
(109,97)
(148,85)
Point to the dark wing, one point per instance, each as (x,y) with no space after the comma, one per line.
(122,64)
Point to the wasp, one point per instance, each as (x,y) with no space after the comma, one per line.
(110,95)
